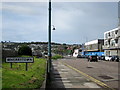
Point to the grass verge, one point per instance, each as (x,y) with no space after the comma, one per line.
(18,77)
(56,57)
(0,78)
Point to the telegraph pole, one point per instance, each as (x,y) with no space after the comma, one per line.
(49,42)
(119,13)
(118,51)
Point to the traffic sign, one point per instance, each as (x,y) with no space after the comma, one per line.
(20,60)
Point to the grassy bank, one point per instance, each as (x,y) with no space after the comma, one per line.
(57,57)
(0,78)
(18,77)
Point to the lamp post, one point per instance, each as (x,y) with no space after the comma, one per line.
(49,43)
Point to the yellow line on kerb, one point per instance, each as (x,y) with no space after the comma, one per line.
(91,78)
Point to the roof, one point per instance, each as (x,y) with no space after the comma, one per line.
(111,30)
(93,42)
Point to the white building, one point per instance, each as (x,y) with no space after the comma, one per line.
(112,42)
(76,53)
(94,45)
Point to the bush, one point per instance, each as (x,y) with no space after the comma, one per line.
(56,57)
(25,50)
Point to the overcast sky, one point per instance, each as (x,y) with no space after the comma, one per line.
(75,22)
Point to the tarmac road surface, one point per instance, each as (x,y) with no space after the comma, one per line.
(104,71)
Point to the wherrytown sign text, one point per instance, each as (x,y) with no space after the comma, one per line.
(20,59)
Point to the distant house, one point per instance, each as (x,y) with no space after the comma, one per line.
(37,53)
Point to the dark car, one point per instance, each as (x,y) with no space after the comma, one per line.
(79,56)
(84,56)
(115,58)
(101,57)
(93,58)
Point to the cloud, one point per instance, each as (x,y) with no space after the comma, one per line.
(24,8)
(17,9)
(27,30)
(74,22)
(25,22)
(60,0)
(0,22)
(65,18)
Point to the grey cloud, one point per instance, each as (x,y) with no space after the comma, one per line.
(74,22)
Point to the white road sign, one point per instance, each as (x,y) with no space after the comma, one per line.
(20,59)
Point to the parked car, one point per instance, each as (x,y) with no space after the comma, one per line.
(46,55)
(79,56)
(93,58)
(84,56)
(115,58)
(69,55)
(101,57)
(108,58)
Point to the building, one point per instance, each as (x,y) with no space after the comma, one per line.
(94,47)
(77,52)
(112,42)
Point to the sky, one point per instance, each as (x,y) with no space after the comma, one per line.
(75,22)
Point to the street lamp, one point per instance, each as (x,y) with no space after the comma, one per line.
(53,27)
(49,44)
(49,68)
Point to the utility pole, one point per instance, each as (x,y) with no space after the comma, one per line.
(118,50)
(49,43)
(119,14)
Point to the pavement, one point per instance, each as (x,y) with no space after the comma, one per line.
(65,77)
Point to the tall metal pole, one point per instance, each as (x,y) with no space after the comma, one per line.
(118,26)
(49,41)
(119,14)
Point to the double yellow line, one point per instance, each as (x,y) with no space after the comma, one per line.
(91,78)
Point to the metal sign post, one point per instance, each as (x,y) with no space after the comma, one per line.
(26,66)
(11,65)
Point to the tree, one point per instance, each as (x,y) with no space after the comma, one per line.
(25,50)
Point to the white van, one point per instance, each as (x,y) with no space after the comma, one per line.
(108,58)
(76,53)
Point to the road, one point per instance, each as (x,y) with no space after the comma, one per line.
(104,71)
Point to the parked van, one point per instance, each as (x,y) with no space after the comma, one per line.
(76,53)
(108,58)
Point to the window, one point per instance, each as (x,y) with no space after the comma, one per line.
(116,31)
(109,34)
(106,36)
(116,40)
(112,43)
(112,33)
(109,42)
(106,43)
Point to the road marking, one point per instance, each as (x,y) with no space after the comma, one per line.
(91,85)
(91,78)
(69,84)
(62,78)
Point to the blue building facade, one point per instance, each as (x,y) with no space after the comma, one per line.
(93,48)
(93,53)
